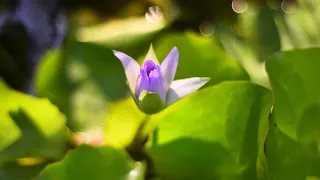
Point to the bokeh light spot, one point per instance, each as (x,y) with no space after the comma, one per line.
(206,29)
(239,6)
(288,6)
(154,14)
(135,173)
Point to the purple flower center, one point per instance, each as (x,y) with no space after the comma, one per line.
(149,66)
(150,79)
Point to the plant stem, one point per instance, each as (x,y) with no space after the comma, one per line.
(136,149)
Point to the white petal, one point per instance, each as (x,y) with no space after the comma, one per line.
(183,87)
(131,68)
(169,66)
(151,55)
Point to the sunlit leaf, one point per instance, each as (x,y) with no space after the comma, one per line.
(88,162)
(293,140)
(81,80)
(29,127)
(217,133)
(127,35)
(122,124)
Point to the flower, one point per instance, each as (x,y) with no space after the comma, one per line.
(152,84)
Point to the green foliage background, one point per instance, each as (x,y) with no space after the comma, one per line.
(257,118)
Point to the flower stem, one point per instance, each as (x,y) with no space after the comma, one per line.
(136,148)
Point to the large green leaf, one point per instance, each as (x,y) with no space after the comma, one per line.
(217,133)
(88,162)
(293,140)
(29,127)
(200,57)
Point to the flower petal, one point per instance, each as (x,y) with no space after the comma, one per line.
(157,83)
(142,83)
(150,79)
(169,66)
(183,87)
(131,68)
(151,55)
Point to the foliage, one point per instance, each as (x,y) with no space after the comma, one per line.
(258,117)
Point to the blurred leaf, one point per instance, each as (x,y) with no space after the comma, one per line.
(81,79)
(138,173)
(266,38)
(88,162)
(200,57)
(29,127)
(216,133)
(122,124)
(239,48)
(299,29)
(128,35)
(15,171)
(312,178)
(296,32)
(103,67)
(293,140)
(251,40)
(51,77)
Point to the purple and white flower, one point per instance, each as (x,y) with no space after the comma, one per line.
(153,85)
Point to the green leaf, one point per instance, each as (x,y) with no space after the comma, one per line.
(199,57)
(216,133)
(293,141)
(121,127)
(103,67)
(299,29)
(126,35)
(29,127)
(81,80)
(237,46)
(88,162)
(14,171)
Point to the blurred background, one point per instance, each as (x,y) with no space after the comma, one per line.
(62,50)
